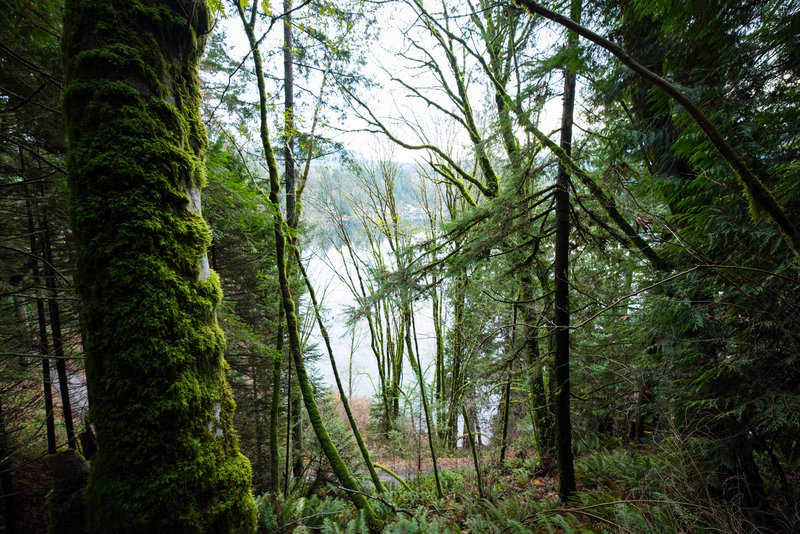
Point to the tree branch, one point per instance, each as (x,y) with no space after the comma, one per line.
(761,199)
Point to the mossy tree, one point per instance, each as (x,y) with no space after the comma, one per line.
(566,470)
(168,459)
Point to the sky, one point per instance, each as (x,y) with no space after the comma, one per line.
(407,117)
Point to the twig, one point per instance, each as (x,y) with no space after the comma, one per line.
(41,259)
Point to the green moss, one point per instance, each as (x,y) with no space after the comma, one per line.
(168,460)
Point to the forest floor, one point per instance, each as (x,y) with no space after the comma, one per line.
(544,479)
(458,507)
(621,488)
(409,467)
(615,489)
(32,481)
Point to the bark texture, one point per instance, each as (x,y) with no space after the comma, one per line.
(566,470)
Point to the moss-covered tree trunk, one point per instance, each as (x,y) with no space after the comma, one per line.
(167,459)
(346,478)
(540,400)
(456,378)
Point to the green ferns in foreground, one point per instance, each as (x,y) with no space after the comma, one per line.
(641,490)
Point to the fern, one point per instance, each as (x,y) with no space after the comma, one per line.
(267,516)
(356,525)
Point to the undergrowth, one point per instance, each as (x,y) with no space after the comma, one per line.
(622,488)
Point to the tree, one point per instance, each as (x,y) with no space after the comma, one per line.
(718,334)
(167,454)
(762,202)
(289,306)
(566,470)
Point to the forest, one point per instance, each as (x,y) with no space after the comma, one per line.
(403,266)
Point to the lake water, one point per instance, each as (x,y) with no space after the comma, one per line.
(359,374)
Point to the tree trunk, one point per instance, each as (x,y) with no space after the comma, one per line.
(298,467)
(539,375)
(507,394)
(458,352)
(566,470)
(291,209)
(288,117)
(347,480)
(274,410)
(394,355)
(474,451)
(504,431)
(416,364)
(167,459)
(438,380)
(55,331)
(42,348)
(288,440)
